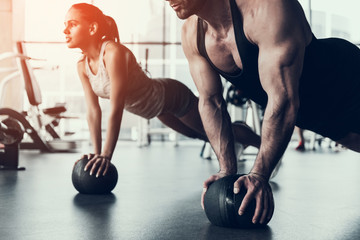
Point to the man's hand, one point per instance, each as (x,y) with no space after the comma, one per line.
(207,183)
(258,188)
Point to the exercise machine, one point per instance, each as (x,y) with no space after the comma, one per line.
(40,124)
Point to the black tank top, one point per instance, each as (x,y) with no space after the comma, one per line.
(330,78)
(247,78)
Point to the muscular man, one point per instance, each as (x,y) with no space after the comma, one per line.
(267,49)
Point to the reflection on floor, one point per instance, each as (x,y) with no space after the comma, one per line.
(158,197)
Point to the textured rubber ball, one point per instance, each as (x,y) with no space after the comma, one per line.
(222,205)
(90,184)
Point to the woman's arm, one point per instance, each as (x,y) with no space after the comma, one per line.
(116,61)
(93,112)
(116,65)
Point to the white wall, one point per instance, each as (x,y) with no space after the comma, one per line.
(11,30)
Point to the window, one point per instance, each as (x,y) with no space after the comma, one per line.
(142,24)
(333,18)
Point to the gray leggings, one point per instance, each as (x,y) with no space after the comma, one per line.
(179,99)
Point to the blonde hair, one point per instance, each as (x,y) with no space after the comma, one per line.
(107,26)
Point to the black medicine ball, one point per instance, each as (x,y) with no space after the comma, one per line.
(222,205)
(90,184)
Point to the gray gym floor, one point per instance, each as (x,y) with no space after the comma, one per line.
(316,193)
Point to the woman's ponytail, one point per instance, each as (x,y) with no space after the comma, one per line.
(111,32)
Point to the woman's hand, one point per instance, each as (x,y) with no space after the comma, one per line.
(87,156)
(97,163)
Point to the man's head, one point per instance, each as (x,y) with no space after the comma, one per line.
(186,8)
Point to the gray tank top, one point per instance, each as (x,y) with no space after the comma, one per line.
(144,96)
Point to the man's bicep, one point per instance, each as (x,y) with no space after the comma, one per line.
(207,81)
(280,69)
(281,47)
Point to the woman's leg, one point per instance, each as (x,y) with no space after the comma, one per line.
(242,133)
(245,135)
(182,115)
(181,110)
(179,126)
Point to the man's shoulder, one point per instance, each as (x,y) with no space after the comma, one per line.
(189,36)
(190,25)
(189,30)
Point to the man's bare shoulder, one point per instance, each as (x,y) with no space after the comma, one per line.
(190,26)
(282,18)
(189,34)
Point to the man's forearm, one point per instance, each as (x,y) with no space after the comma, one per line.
(277,128)
(217,125)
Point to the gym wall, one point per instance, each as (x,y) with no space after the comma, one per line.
(11,30)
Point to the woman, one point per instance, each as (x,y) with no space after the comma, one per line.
(109,70)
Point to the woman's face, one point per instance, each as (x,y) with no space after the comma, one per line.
(77,30)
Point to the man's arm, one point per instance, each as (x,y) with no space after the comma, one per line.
(281,38)
(212,107)
(281,54)
(214,115)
